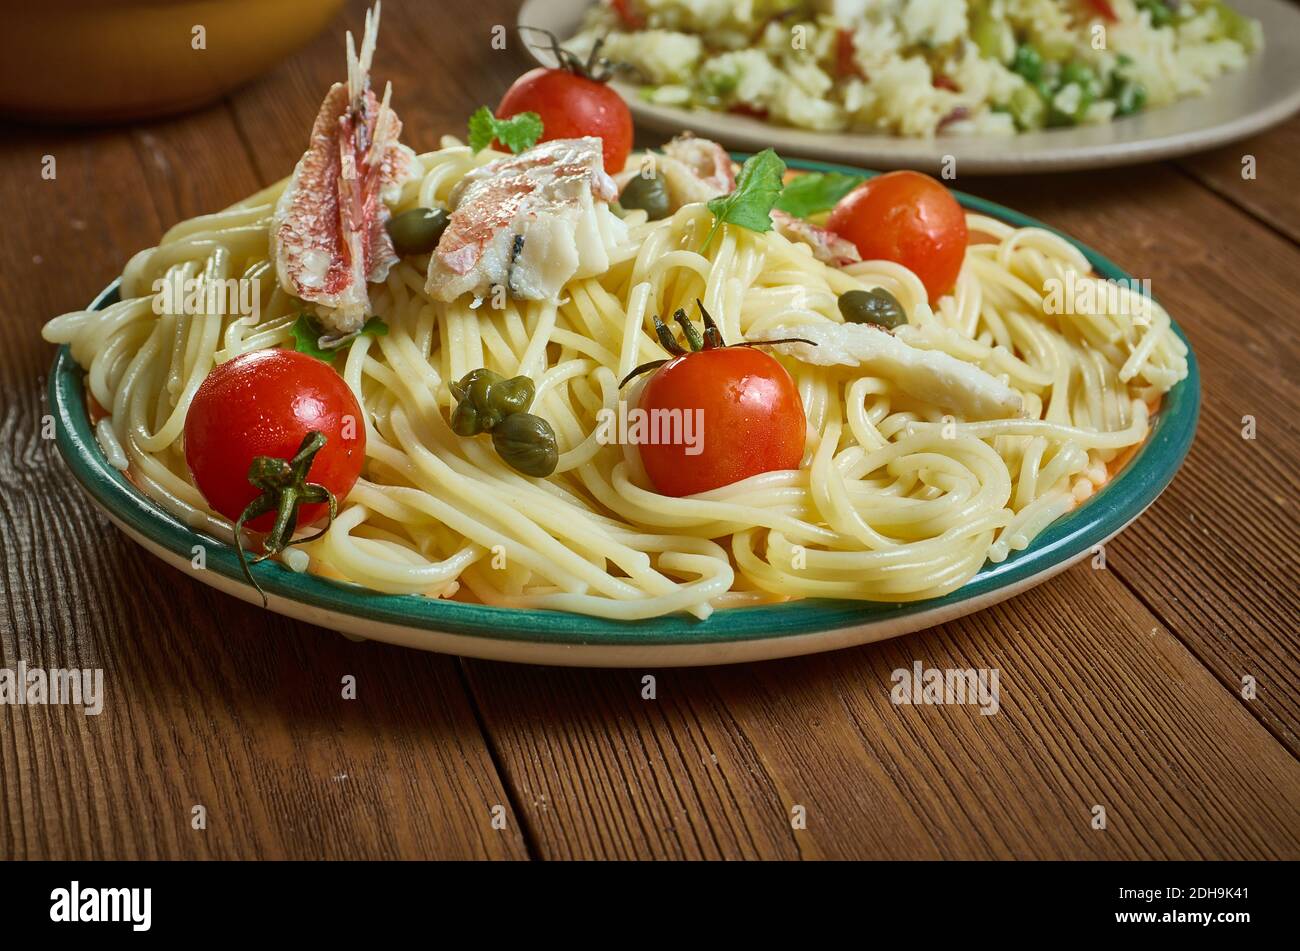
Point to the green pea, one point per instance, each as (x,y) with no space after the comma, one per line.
(1161,15)
(417,231)
(527,444)
(876,306)
(1129,97)
(1084,75)
(647,192)
(1028,62)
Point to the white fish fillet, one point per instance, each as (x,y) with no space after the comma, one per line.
(530,223)
(328,237)
(930,375)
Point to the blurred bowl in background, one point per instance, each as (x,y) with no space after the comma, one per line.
(111,60)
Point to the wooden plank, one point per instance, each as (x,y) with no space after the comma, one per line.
(1258,175)
(1099,705)
(1216,556)
(207,701)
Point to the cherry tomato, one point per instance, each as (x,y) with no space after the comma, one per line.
(752,419)
(572,106)
(1104,8)
(630,18)
(264,403)
(908,218)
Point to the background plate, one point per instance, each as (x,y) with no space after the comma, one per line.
(552,637)
(1240,104)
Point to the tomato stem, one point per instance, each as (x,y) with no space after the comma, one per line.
(712,340)
(284,488)
(666,338)
(712,335)
(692,335)
(596,68)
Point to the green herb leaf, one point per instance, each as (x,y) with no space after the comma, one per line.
(374,327)
(307,336)
(815,192)
(757,188)
(516,133)
(306,339)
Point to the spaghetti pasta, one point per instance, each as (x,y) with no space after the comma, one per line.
(895,499)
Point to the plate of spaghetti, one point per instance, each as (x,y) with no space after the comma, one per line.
(534,396)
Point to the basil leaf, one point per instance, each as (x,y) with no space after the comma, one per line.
(516,133)
(815,192)
(750,205)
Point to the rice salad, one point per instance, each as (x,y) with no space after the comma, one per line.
(921,67)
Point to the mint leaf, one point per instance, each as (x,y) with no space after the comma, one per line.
(815,192)
(758,186)
(517,133)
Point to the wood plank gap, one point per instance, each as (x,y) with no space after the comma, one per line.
(531,847)
(1155,611)
(1225,198)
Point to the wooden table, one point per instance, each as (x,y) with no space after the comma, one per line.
(1120,687)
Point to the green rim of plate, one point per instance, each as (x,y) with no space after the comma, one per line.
(1105,513)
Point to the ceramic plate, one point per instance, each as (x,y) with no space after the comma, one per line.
(1240,104)
(550,637)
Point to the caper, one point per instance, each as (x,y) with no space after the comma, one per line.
(512,396)
(876,306)
(417,231)
(485,397)
(647,192)
(471,415)
(527,444)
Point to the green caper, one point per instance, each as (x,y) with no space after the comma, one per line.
(647,192)
(527,444)
(485,397)
(512,396)
(469,416)
(417,231)
(876,306)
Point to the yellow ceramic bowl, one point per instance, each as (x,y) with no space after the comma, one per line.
(106,60)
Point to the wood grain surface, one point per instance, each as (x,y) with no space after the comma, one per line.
(1120,688)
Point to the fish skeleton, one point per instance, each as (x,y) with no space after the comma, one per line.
(328,235)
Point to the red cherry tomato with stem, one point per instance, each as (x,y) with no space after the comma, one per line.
(908,218)
(571,105)
(745,411)
(266,403)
